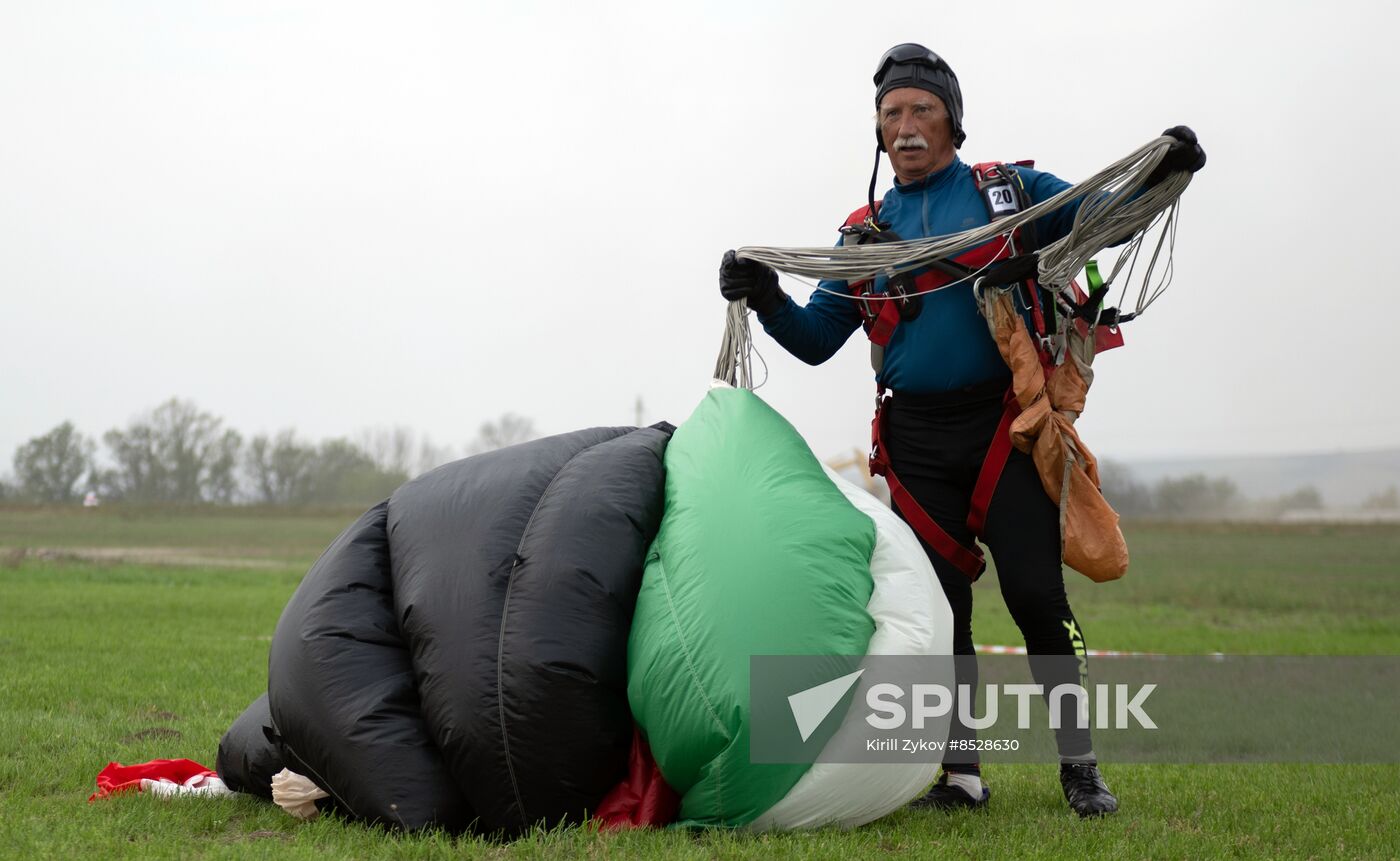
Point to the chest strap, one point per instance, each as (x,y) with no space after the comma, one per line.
(880,316)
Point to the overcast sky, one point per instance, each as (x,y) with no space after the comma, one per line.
(340,215)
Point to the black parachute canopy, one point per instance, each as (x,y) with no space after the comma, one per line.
(457,657)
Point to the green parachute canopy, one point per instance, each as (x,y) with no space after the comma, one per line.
(758,554)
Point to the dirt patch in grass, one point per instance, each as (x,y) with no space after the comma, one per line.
(183,557)
(263,834)
(152,732)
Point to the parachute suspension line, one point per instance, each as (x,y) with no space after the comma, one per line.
(1108,213)
(876,297)
(734,365)
(1150,292)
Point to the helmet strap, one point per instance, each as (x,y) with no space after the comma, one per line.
(874,172)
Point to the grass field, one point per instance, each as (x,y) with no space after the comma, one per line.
(124,641)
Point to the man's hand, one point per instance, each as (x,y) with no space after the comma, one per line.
(751,280)
(1185,153)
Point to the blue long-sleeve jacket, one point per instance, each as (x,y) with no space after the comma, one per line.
(947,347)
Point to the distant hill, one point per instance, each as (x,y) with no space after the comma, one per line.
(1345,479)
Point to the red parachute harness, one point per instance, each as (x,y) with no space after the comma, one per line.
(1010,261)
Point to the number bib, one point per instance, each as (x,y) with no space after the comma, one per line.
(1001,200)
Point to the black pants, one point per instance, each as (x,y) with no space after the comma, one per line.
(936,445)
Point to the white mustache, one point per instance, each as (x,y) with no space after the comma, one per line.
(915,141)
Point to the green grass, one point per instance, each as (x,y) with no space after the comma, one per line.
(131,662)
(1236,589)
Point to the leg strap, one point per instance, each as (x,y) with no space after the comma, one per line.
(967,560)
(995,462)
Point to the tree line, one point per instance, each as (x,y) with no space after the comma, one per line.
(1199,496)
(178,453)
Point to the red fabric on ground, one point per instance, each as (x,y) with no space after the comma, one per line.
(643,799)
(119,778)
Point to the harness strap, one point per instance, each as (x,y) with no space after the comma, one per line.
(881,316)
(1105,337)
(861,214)
(968,560)
(997,454)
(1004,194)
(881,328)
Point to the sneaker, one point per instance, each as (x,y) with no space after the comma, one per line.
(944,797)
(1085,790)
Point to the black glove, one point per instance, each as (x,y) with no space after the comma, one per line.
(751,280)
(1184,154)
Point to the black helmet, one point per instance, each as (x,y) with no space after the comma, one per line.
(913,65)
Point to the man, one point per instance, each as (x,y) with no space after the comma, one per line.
(948,382)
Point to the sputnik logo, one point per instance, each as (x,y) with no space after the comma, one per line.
(811,706)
